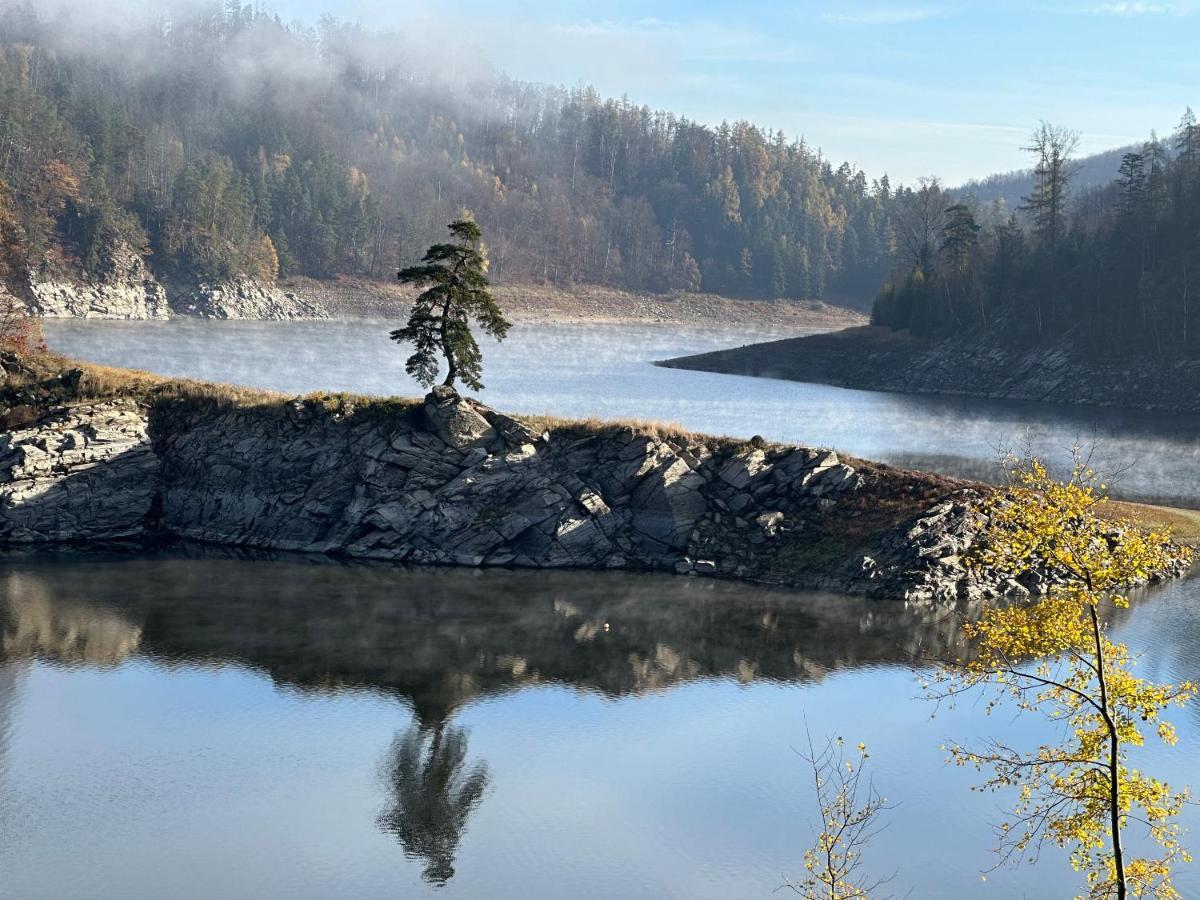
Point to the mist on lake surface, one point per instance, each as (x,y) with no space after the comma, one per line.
(577,371)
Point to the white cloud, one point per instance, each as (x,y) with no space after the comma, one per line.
(884,16)
(607,27)
(1140,8)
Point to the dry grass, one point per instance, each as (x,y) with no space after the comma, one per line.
(108,382)
(1184,523)
(650,428)
(105,382)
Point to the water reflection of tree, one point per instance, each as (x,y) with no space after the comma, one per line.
(433,793)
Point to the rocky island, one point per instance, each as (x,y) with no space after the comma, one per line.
(92,455)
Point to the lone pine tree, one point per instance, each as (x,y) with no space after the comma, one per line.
(454,278)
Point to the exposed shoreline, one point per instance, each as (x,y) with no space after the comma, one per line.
(95,455)
(878,359)
(352,298)
(134,294)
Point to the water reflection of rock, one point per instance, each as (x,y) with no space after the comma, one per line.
(432,793)
(38,620)
(440,638)
(12,672)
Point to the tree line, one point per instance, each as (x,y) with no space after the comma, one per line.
(1115,267)
(224,141)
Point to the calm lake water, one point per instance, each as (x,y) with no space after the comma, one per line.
(179,726)
(606,371)
(197,725)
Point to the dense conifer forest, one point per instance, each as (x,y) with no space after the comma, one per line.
(223,141)
(226,141)
(1114,267)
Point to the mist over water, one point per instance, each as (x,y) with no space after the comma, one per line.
(577,371)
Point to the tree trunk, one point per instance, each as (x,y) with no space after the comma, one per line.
(1114,753)
(447,351)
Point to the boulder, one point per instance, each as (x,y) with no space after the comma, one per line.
(667,503)
(456,421)
(743,468)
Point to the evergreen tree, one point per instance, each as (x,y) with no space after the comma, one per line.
(1052,147)
(1187,148)
(456,291)
(1131,181)
(960,237)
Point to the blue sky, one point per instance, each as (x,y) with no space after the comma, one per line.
(946,88)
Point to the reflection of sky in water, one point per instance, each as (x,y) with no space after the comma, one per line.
(199,776)
(605,371)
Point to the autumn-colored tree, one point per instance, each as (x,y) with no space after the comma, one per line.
(264,260)
(454,277)
(1053,657)
(850,817)
(57,185)
(19,331)
(14,246)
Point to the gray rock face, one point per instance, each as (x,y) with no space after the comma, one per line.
(928,555)
(81,474)
(128,290)
(242,298)
(459,483)
(453,482)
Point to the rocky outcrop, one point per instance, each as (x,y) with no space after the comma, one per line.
(125,289)
(80,474)
(978,365)
(454,482)
(242,298)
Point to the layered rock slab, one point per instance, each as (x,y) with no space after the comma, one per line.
(453,482)
(81,474)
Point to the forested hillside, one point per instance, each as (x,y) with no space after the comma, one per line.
(227,142)
(1115,268)
(222,142)
(1094,172)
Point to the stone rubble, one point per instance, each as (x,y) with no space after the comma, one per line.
(242,298)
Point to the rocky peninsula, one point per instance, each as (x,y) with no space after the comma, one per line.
(879,359)
(92,455)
